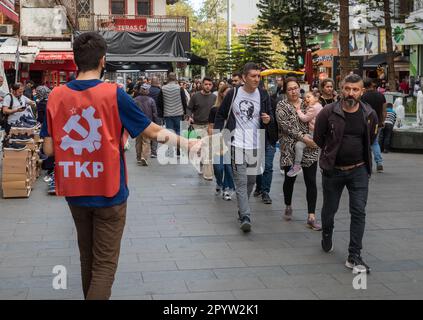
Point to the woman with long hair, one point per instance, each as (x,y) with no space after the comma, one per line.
(222,171)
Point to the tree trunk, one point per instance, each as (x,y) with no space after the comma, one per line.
(303,41)
(344,34)
(389,46)
(294,46)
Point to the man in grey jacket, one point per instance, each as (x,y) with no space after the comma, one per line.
(172,104)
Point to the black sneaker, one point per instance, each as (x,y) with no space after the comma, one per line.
(266,198)
(24,125)
(257,193)
(356,263)
(327,243)
(245,224)
(379,168)
(14,146)
(28,120)
(20,138)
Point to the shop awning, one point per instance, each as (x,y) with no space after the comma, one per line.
(377,60)
(144,47)
(8,11)
(26,54)
(197,60)
(54,55)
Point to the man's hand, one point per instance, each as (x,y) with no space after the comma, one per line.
(194,145)
(309,141)
(265,118)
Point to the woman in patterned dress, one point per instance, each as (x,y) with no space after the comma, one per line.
(291,130)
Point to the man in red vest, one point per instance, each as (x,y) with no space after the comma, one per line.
(86,119)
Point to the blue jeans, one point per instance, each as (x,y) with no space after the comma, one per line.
(174,123)
(264,181)
(376,150)
(357,183)
(223,173)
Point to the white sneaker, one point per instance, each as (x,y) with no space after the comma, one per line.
(227,196)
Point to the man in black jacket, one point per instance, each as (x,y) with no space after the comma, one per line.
(247,109)
(345,131)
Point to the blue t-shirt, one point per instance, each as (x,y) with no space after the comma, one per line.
(133,120)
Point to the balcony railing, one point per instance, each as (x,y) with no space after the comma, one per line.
(130,22)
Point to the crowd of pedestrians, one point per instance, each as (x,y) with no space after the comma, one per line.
(319,128)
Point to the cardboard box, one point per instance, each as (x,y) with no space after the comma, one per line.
(22,184)
(15,167)
(15,176)
(16,154)
(16,193)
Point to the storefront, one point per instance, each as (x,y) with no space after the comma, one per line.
(53,68)
(325,61)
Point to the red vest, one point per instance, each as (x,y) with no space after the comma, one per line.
(86,132)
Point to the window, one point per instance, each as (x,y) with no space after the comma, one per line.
(144,7)
(83,7)
(118,6)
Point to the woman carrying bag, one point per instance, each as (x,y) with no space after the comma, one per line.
(222,171)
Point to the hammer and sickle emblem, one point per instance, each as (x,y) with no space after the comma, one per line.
(91,139)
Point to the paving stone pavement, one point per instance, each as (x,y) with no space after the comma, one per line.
(183,242)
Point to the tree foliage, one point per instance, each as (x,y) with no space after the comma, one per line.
(296,21)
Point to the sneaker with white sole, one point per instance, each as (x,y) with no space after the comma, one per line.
(227,196)
(294,171)
(356,263)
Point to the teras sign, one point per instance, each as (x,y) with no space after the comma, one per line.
(120,24)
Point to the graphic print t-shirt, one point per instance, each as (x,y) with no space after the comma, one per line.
(246,109)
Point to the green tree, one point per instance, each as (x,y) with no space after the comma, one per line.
(296,21)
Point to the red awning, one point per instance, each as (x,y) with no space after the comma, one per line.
(54,55)
(8,11)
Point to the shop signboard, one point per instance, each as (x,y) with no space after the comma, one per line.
(403,34)
(325,41)
(355,64)
(122,24)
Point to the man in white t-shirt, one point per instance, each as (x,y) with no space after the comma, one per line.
(250,121)
(20,106)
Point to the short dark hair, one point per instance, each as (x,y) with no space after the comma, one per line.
(250,66)
(352,78)
(171,76)
(207,79)
(237,74)
(17,86)
(88,49)
(292,79)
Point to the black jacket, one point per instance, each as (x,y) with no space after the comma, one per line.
(329,132)
(265,107)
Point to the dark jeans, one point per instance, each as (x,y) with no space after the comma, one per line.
(99,233)
(311,186)
(385,137)
(357,183)
(264,181)
(174,123)
(154,143)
